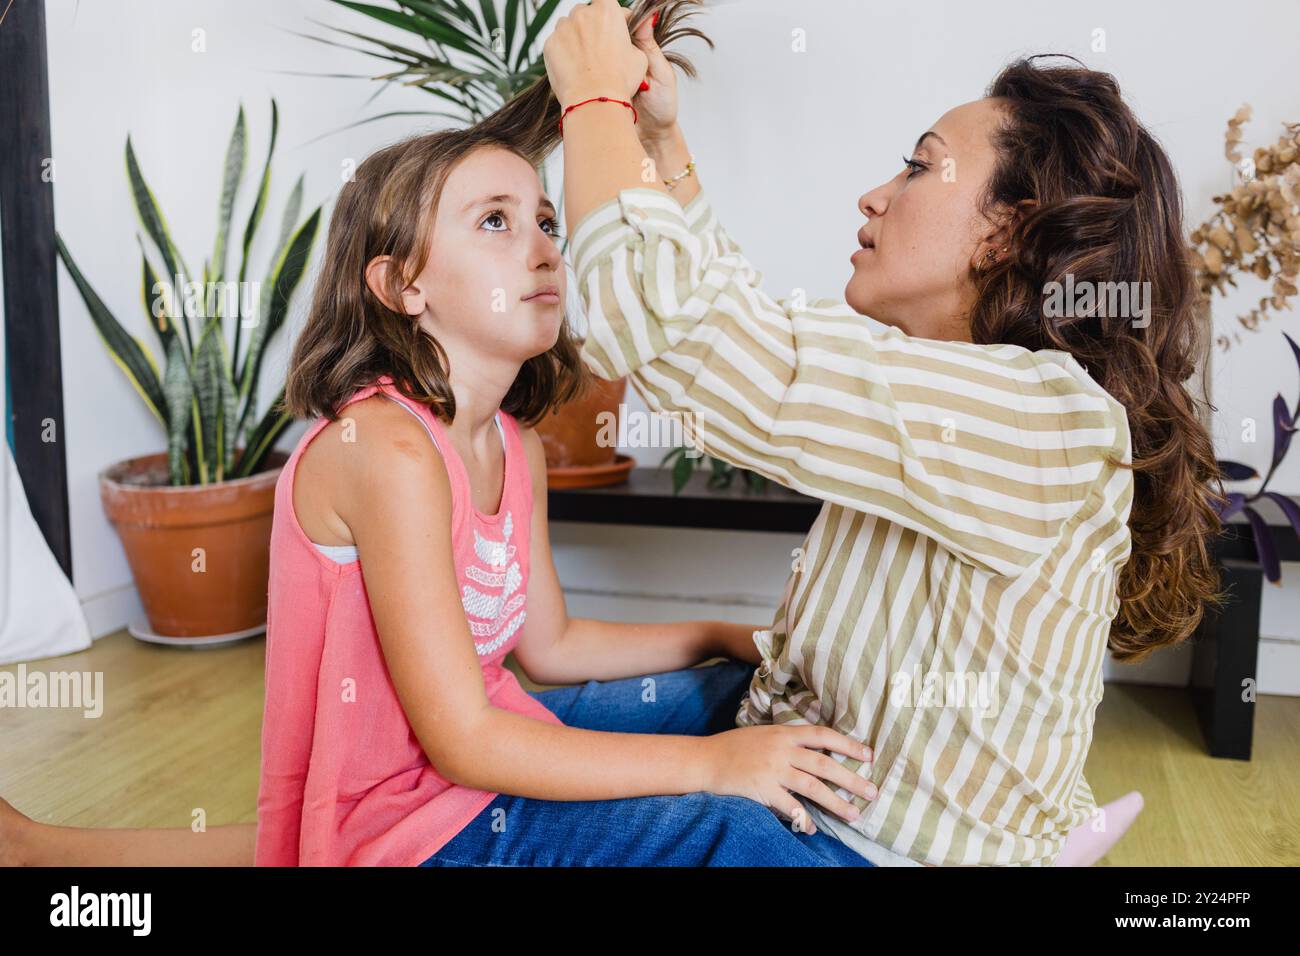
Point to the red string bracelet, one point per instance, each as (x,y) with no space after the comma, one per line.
(595,99)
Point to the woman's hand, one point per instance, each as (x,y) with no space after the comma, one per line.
(770,763)
(591,54)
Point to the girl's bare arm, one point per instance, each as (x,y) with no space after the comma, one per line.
(397,503)
(396,500)
(554,648)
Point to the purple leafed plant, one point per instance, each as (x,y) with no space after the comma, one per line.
(1284,426)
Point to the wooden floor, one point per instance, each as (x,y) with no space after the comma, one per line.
(180,732)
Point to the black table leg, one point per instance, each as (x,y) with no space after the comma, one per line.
(1224,657)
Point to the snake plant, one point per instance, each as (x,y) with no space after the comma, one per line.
(206,393)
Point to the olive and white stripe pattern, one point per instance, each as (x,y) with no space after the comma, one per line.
(972,533)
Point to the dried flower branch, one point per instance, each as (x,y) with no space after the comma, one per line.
(1256,230)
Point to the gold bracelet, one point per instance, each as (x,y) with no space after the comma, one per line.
(672,183)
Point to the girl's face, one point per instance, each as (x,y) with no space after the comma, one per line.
(924,230)
(494,282)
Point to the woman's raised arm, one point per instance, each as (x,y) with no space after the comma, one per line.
(987,449)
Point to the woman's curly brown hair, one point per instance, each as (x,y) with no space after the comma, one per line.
(1093,195)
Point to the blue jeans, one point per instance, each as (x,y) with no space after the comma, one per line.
(693,829)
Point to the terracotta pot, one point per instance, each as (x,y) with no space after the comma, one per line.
(569,434)
(188,593)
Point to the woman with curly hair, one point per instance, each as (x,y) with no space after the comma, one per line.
(1012,483)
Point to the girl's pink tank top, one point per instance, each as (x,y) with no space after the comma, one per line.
(344,781)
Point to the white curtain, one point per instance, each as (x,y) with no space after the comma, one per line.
(40,615)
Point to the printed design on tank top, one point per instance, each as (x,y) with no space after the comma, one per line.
(491,606)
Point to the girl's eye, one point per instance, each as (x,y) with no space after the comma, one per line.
(552,222)
(914,165)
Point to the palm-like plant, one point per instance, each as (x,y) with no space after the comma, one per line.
(474,57)
(473,60)
(206,395)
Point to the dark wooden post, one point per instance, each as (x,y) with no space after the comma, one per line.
(33,368)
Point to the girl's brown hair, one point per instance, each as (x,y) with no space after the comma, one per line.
(351,337)
(1092,194)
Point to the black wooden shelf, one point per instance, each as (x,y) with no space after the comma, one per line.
(647,498)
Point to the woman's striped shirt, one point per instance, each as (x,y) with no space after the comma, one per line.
(950,606)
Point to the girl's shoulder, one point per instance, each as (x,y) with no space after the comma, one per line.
(375,444)
(372,452)
(376,423)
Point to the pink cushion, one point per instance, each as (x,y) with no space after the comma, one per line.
(1091,840)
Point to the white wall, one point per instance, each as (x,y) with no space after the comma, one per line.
(786,143)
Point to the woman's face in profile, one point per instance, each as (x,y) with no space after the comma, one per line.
(924,231)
